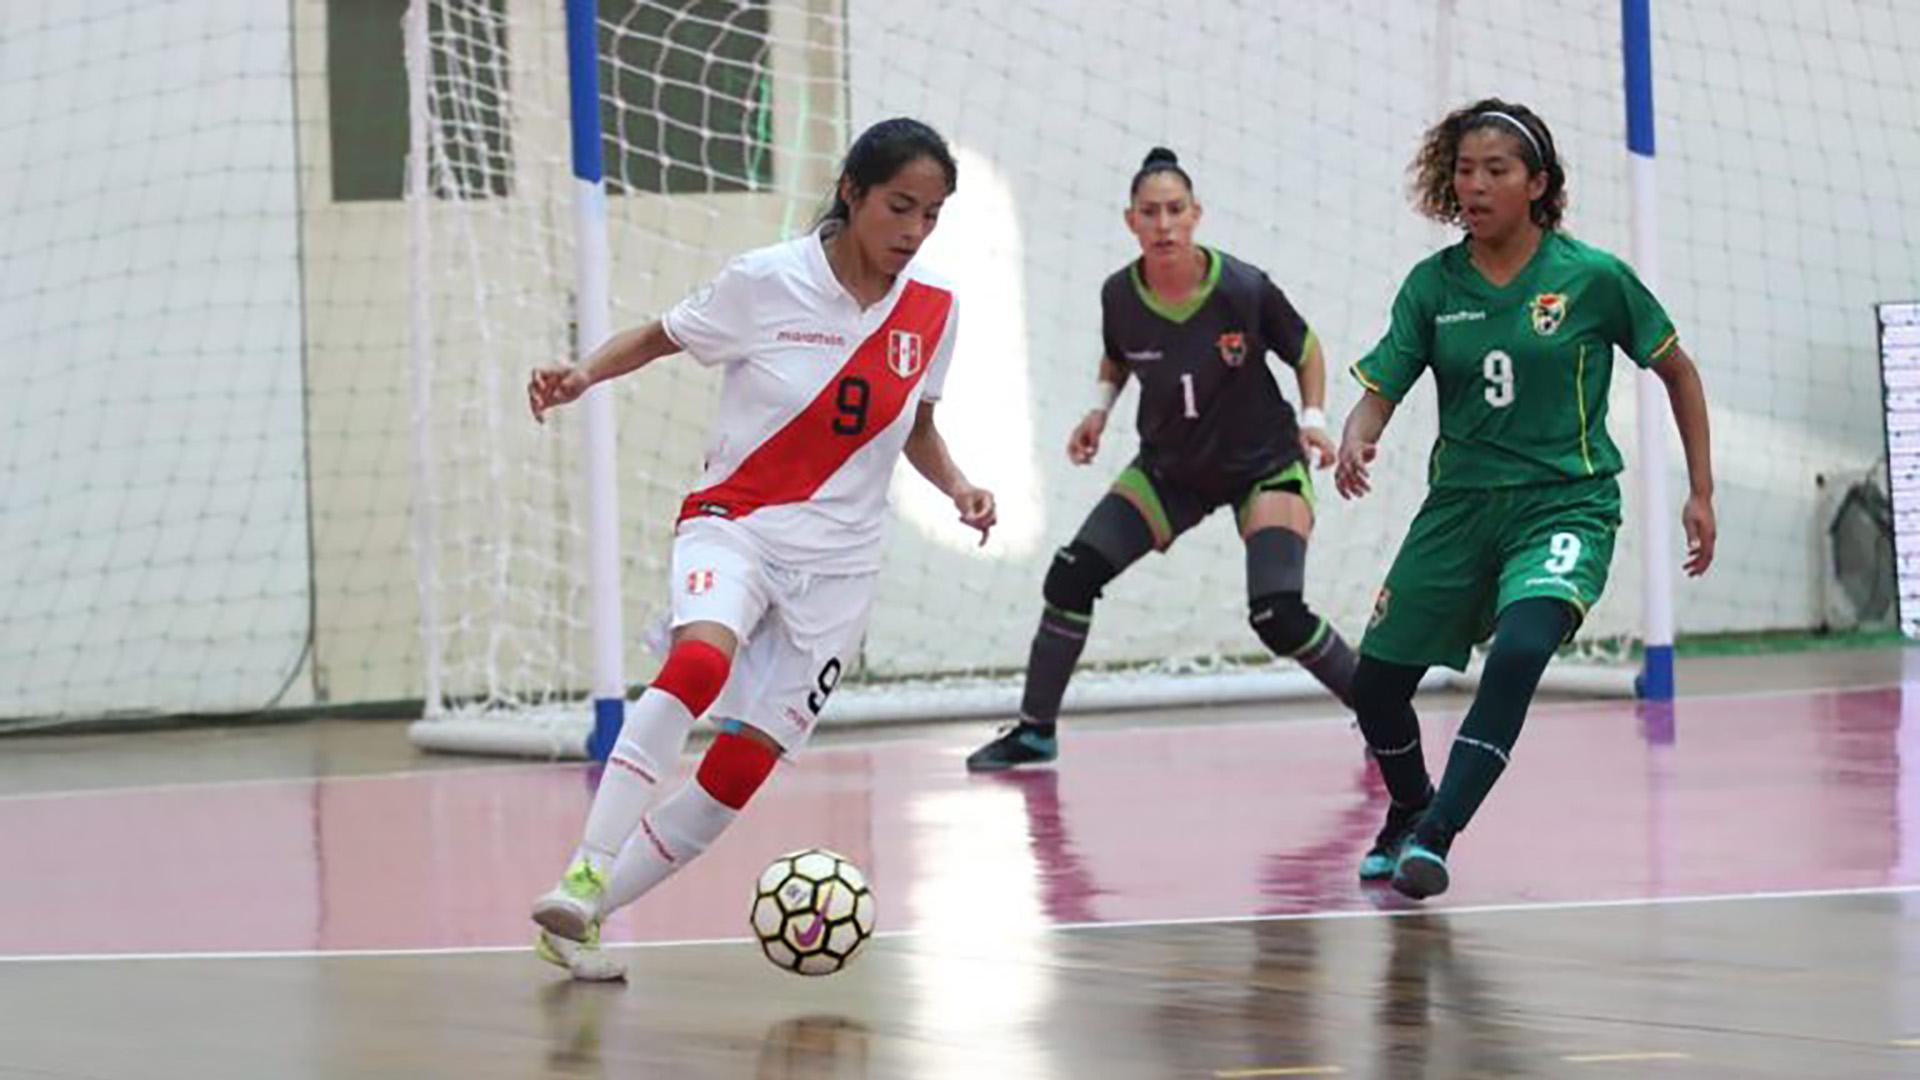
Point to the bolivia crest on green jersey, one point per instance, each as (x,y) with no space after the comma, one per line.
(1547,311)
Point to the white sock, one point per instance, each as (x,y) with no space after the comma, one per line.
(670,836)
(651,738)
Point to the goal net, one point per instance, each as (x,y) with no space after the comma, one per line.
(268,447)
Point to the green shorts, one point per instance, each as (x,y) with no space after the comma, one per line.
(1470,553)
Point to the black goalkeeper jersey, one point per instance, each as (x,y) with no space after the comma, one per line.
(1211,413)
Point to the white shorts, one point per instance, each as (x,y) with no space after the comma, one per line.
(798,631)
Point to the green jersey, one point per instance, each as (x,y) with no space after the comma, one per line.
(1522,370)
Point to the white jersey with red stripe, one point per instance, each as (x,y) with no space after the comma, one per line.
(817,400)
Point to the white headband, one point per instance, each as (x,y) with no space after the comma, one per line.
(1524,130)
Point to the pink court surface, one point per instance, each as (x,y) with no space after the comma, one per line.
(1726,887)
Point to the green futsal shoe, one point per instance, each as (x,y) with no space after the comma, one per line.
(583,960)
(572,909)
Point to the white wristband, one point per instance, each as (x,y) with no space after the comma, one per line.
(1104,395)
(1313,417)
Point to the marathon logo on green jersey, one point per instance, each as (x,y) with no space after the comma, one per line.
(1452,317)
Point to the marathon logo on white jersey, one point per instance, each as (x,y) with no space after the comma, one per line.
(904,353)
(811,337)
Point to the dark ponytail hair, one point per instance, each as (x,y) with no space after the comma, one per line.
(882,151)
(1432,169)
(1159,160)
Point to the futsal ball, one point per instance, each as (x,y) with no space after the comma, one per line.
(812,911)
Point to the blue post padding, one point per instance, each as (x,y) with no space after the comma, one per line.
(1636,50)
(608,715)
(583,83)
(1655,682)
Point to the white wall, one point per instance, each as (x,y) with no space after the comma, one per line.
(153,525)
(154,533)
(1786,138)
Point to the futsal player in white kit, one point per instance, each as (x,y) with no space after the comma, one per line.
(835,347)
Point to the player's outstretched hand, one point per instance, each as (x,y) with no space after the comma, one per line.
(554,386)
(1084,443)
(976,509)
(1318,446)
(1350,471)
(1697,519)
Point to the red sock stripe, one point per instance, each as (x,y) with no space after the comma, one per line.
(694,672)
(794,461)
(734,768)
(633,767)
(659,846)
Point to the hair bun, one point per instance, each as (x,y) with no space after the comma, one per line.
(1159,154)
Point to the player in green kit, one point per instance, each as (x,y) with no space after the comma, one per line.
(1518,323)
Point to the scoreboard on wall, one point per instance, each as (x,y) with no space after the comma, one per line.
(1899,325)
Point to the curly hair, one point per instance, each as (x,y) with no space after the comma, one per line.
(1431,174)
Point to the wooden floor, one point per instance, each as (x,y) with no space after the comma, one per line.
(1727,889)
(1775,988)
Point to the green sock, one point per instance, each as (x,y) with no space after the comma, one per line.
(1529,632)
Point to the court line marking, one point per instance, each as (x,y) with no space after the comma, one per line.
(1097,731)
(909,935)
(1281,1071)
(1500,909)
(500,765)
(1607,1059)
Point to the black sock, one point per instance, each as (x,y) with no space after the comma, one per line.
(1383,701)
(1050,663)
(1530,631)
